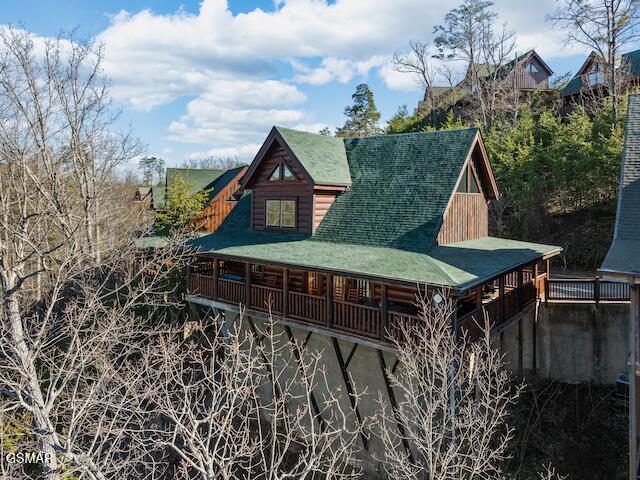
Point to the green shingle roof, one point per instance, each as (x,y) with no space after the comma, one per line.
(198,179)
(401,187)
(624,253)
(460,265)
(574,86)
(385,224)
(322,156)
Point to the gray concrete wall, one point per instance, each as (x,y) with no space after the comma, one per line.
(574,342)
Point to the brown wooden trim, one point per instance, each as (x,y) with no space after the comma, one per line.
(384,311)
(329,300)
(216,275)
(247,283)
(285,292)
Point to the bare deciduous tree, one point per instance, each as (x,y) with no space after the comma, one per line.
(470,35)
(75,294)
(419,63)
(238,403)
(453,400)
(605,26)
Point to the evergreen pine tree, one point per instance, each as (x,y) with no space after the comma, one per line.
(362,115)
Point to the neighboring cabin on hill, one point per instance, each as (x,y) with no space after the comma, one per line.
(524,74)
(589,82)
(219,184)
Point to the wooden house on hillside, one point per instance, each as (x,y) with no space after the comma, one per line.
(219,184)
(339,235)
(622,263)
(588,85)
(522,75)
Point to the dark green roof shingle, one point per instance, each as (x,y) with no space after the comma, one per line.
(401,187)
(460,265)
(385,224)
(323,157)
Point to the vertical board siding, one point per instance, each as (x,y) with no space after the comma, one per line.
(466,218)
(526,80)
(218,209)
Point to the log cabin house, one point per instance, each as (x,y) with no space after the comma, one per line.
(522,75)
(340,235)
(622,264)
(220,185)
(589,84)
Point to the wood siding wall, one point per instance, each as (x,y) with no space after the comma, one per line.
(321,204)
(300,190)
(218,209)
(466,218)
(527,81)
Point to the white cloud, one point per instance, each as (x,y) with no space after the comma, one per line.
(313,127)
(244,152)
(233,67)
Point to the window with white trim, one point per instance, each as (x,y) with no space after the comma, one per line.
(281,213)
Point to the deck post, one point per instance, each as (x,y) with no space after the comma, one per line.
(247,283)
(501,294)
(384,313)
(329,300)
(285,292)
(596,290)
(520,284)
(535,279)
(216,275)
(546,288)
(189,279)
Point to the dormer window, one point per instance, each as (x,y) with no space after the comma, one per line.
(281,172)
(281,213)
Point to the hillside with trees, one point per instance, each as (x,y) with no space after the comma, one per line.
(555,172)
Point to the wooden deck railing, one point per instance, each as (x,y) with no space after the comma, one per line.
(356,318)
(308,308)
(201,284)
(266,299)
(398,323)
(585,289)
(231,291)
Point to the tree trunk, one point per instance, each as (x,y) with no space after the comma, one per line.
(33,397)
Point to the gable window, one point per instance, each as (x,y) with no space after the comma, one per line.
(281,172)
(531,68)
(281,213)
(462,187)
(275,175)
(468,182)
(286,173)
(595,75)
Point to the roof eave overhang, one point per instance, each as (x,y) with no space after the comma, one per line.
(476,283)
(619,276)
(374,278)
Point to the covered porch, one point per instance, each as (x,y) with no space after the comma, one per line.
(362,307)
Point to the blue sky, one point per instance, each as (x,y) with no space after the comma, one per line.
(197,78)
